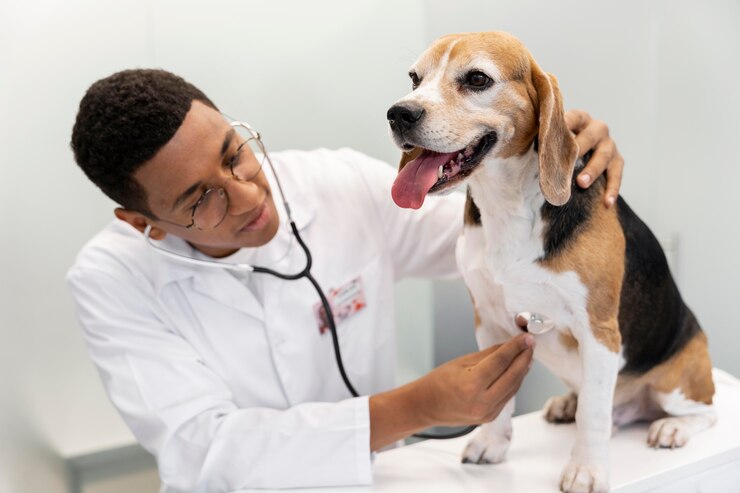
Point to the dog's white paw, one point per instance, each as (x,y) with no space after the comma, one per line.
(487,448)
(584,478)
(668,433)
(561,408)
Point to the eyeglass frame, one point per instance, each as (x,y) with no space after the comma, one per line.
(257,138)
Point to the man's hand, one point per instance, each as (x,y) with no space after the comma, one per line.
(471,389)
(594,134)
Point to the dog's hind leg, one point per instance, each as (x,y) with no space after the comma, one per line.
(561,408)
(675,431)
(686,418)
(683,388)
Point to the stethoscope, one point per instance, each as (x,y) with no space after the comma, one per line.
(303,273)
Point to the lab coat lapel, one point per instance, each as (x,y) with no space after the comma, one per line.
(217,284)
(223,287)
(220,285)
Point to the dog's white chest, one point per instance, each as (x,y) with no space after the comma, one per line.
(501,290)
(499,264)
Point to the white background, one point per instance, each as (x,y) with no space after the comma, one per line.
(663,74)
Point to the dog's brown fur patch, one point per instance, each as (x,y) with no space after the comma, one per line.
(690,370)
(519,85)
(591,256)
(567,340)
(524,121)
(509,51)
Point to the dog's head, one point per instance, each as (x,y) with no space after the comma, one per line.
(478,96)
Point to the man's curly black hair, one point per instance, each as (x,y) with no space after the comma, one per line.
(122,122)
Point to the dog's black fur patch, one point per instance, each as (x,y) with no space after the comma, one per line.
(564,223)
(654,321)
(472,213)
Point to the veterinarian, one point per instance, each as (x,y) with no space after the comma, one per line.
(229,376)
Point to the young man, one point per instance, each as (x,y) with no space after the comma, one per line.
(228,377)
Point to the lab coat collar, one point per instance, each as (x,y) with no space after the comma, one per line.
(166,270)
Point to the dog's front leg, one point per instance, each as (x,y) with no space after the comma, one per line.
(491,442)
(588,469)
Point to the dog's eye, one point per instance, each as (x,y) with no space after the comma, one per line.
(478,80)
(415,80)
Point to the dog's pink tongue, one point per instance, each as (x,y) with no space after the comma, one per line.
(417,177)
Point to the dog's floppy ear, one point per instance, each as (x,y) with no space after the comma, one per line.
(558,150)
(408,156)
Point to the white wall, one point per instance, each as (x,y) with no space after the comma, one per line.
(663,74)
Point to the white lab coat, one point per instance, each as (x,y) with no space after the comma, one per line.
(229,392)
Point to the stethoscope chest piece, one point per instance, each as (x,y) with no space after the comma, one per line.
(536,324)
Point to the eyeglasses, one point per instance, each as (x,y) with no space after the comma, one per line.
(210,210)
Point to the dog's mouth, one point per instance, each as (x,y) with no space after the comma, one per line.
(433,172)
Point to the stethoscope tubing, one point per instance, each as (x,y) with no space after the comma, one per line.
(306,272)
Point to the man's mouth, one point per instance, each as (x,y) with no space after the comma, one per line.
(433,171)
(259,220)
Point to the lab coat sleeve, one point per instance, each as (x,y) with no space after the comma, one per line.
(420,242)
(184,414)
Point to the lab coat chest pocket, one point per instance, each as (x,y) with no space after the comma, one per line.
(224,324)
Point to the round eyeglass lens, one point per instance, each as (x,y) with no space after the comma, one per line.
(212,209)
(250,156)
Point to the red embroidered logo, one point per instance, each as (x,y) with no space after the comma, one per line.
(344,301)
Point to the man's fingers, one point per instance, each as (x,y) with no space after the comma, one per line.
(496,363)
(614,179)
(509,382)
(473,358)
(588,137)
(606,158)
(576,120)
(502,403)
(599,161)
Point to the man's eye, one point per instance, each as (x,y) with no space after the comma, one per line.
(234,160)
(197,203)
(477,80)
(415,80)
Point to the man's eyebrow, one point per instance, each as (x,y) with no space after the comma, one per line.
(227,141)
(184,195)
(193,188)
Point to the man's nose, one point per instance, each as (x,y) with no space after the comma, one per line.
(244,196)
(403,117)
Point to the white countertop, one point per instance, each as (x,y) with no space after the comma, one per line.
(709,463)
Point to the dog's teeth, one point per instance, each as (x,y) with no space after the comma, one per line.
(460,156)
(440,172)
(469,151)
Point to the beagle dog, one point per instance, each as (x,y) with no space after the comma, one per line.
(592,281)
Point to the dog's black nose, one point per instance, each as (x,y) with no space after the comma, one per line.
(404,116)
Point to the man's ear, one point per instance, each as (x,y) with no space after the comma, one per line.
(557,150)
(140,222)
